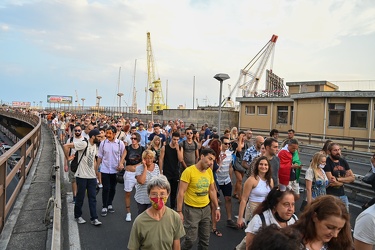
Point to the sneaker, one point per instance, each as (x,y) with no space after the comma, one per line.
(104,212)
(128,217)
(100,185)
(110,209)
(80,220)
(231,224)
(96,222)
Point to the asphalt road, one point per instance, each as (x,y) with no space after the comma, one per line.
(114,233)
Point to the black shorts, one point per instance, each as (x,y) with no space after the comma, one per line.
(226,189)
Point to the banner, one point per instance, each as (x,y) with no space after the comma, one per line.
(59,99)
(21,104)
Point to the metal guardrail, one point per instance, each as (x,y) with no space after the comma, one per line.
(56,231)
(28,147)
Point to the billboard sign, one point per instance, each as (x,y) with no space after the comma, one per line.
(59,99)
(21,104)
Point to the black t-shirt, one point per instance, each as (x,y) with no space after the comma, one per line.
(337,169)
(133,156)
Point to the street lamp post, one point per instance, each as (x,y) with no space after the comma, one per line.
(119,101)
(83,102)
(152,90)
(221,77)
(98,97)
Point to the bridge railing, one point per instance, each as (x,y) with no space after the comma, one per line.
(28,147)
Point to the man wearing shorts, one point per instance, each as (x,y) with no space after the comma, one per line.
(77,137)
(223,178)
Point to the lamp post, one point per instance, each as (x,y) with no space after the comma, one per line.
(152,90)
(40,107)
(119,101)
(221,77)
(98,97)
(83,102)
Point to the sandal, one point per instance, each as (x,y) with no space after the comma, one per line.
(217,232)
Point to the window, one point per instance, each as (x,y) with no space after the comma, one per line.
(262,110)
(336,114)
(358,115)
(249,110)
(282,114)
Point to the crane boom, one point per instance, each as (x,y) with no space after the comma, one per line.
(249,78)
(157,103)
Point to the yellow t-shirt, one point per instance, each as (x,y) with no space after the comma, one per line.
(197,193)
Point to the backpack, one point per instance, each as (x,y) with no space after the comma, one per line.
(75,162)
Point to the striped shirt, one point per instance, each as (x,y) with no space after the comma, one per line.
(141,195)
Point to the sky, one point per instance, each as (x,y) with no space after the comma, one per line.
(76,47)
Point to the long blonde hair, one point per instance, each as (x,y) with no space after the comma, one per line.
(152,144)
(314,164)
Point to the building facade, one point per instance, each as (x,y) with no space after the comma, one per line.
(315,107)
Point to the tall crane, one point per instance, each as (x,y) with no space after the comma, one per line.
(157,99)
(250,75)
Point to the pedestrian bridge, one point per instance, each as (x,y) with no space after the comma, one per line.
(38,212)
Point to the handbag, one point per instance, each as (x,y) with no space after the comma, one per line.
(303,205)
(369,177)
(120,176)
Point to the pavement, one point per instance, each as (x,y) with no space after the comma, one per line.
(25,227)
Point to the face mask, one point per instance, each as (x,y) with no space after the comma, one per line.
(158,203)
(278,218)
(322,166)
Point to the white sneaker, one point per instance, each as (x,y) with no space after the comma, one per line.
(80,220)
(96,222)
(110,209)
(104,212)
(100,185)
(128,217)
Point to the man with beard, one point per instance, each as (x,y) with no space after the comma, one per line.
(77,137)
(111,157)
(85,175)
(338,173)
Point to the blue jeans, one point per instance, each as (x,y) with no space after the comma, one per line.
(344,199)
(109,188)
(82,186)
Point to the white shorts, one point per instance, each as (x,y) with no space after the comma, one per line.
(294,186)
(129,181)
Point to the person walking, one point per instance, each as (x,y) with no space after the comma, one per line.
(85,175)
(111,158)
(196,190)
(170,156)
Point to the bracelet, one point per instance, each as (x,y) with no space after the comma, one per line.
(179,211)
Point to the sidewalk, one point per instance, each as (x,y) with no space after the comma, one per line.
(25,227)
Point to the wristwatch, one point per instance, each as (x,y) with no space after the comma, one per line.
(218,208)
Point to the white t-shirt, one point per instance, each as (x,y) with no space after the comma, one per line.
(364,229)
(256,222)
(223,176)
(86,168)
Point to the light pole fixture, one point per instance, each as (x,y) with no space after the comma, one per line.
(98,97)
(221,77)
(152,90)
(119,101)
(83,102)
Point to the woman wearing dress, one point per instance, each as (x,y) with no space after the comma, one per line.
(315,178)
(255,190)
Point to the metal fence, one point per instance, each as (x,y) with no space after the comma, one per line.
(28,147)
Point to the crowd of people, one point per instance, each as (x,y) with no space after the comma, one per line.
(180,173)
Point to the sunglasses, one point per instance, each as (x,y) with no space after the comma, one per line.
(119,126)
(189,133)
(226,143)
(77,130)
(134,138)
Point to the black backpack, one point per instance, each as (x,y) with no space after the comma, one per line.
(75,162)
